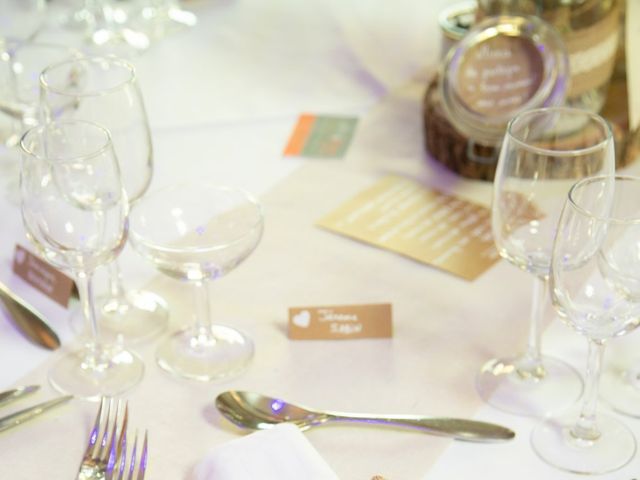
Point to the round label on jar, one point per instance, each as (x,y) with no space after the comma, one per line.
(504,65)
(499,75)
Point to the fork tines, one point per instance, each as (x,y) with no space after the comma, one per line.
(106,453)
(134,465)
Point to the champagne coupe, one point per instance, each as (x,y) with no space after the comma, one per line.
(105,91)
(544,152)
(74,210)
(196,233)
(595,287)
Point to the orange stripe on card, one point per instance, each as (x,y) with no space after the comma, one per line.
(300,134)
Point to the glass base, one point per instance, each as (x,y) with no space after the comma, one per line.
(137,317)
(91,373)
(501,384)
(620,389)
(554,443)
(205,354)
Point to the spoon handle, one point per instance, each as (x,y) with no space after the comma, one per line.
(458,428)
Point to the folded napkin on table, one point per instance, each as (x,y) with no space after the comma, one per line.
(280,453)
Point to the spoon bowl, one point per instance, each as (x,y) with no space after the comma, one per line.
(258,412)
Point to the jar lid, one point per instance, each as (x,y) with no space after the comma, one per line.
(504,65)
(456,20)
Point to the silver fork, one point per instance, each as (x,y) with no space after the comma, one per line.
(134,465)
(102,449)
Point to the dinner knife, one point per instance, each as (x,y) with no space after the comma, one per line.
(19,392)
(28,320)
(30,413)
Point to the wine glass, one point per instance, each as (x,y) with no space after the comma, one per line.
(543,153)
(75,212)
(21,19)
(20,65)
(595,287)
(161,17)
(196,233)
(113,25)
(105,91)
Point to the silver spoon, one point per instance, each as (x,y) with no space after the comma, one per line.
(28,320)
(259,412)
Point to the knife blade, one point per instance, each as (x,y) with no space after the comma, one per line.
(30,413)
(28,320)
(19,392)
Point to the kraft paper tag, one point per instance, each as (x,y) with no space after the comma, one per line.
(321,136)
(401,215)
(340,322)
(39,274)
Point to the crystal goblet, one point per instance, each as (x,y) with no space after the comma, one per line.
(75,210)
(197,233)
(545,151)
(595,287)
(105,90)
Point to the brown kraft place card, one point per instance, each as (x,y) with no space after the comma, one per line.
(438,229)
(39,274)
(340,322)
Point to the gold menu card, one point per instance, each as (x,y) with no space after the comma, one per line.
(435,228)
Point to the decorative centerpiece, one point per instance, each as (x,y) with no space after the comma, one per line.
(505,64)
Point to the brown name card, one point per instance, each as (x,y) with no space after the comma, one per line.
(39,274)
(403,216)
(340,322)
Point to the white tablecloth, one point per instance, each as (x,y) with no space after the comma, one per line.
(222,99)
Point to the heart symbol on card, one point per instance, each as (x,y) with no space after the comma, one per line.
(302,319)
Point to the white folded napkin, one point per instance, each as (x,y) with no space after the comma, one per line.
(280,453)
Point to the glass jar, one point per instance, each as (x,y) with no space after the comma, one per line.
(502,66)
(590,30)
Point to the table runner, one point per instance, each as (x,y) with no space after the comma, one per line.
(444,328)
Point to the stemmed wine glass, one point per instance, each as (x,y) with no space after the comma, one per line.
(111,24)
(20,65)
(543,153)
(105,90)
(161,17)
(595,287)
(74,210)
(21,19)
(196,233)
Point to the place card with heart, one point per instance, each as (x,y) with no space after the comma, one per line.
(39,274)
(340,322)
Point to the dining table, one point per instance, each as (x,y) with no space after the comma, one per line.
(223,98)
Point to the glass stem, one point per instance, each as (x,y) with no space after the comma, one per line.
(530,366)
(586,428)
(203,314)
(115,280)
(85,293)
